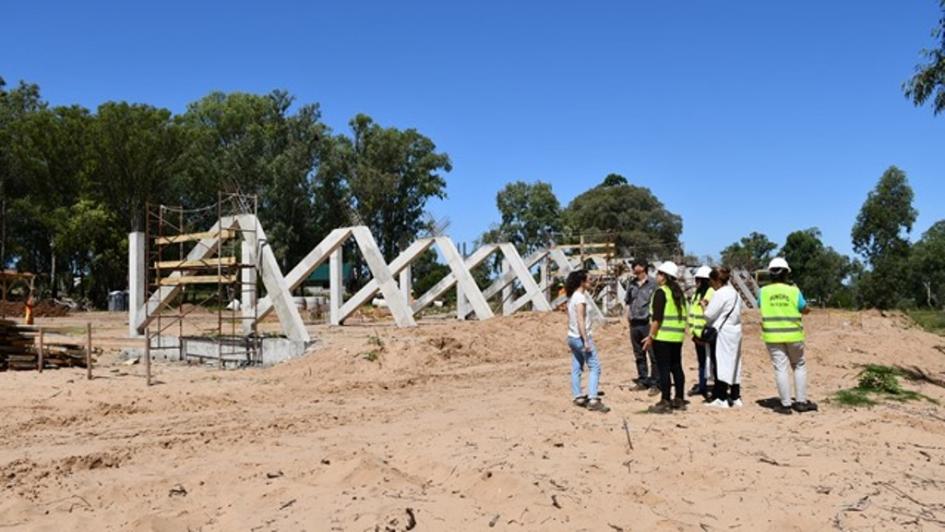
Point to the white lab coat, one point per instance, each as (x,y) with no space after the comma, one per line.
(728,347)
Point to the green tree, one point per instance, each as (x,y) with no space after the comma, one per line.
(928,83)
(818,270)
(927,266)
(880,235)
(16,105)
(135,152)
(392,174)
(750,253)
(251,144)
(530,216)
(641,224)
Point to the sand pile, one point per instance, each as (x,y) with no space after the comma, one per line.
(468,426)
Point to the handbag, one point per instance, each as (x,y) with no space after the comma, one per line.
(711,334)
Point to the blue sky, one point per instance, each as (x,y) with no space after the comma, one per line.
(739,115)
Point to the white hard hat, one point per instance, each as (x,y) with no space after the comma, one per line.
(669,268)
(778,263)
(703,272)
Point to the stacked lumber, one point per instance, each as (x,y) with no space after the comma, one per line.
(17,345)
(18,349)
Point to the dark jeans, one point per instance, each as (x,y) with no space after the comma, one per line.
(647,375)
(669,362)
(701,355)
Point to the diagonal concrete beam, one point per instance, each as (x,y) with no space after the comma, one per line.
(396,267)
(385,280)
(464,279)
(277,288)
(449,280)
(307,265)
(521,271)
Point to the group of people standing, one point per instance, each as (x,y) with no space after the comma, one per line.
(661,318)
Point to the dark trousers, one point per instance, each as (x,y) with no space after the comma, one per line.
(725,392)
(646,373)
(669,362)
(702,354)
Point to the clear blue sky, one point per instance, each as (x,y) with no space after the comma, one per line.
(740,115)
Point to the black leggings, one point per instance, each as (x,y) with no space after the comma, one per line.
(669,362)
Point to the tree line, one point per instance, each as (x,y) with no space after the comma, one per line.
(74,182)
(889,272)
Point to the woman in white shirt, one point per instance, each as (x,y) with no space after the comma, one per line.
(581,344)
(723,313)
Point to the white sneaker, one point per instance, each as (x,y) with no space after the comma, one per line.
(737,403)
(718,403)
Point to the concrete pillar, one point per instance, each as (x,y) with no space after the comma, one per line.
(406,283)
(506,290)
(136,281)
(336,287)
(462,304)
(248,279)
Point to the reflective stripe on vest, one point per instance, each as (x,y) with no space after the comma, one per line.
(780,320)
(697,313)
(673,326)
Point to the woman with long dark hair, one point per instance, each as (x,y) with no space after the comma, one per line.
(704,292)
(583,351)
(668,315)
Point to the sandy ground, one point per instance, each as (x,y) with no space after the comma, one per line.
(466,426)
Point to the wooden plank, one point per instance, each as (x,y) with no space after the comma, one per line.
(198,279)
(608,245)
(225,234)
(195,264)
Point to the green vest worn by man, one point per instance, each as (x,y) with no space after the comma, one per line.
(673,327)
(780,317)
(697,313)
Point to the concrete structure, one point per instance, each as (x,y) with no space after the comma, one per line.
(515,284)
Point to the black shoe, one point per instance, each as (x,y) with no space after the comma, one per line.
(806,406)
(695,390)
(640,385)
(654,390)
(580,401)
(781,409)
(679,403)
(598,406)
(662,407)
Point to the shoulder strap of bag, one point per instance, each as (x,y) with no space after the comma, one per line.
(729,312)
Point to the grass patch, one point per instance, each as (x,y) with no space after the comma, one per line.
(877,383)
(374,354)
(930,320)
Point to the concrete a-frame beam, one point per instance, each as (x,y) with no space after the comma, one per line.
(373,286)
(307,265)
(449,281)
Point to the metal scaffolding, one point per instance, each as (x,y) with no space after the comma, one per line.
(223,280)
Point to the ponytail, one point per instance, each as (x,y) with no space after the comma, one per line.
(678,296)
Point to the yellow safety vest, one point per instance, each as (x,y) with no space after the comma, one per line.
(780,318)
(697,313)
(673,326)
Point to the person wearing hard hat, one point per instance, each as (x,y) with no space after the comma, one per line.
(703,293)
(782,330)
(667,333)
(723,315)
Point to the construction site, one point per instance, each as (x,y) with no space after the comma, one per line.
(436,266)
(222,400)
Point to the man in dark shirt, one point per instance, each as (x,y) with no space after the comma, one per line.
(639,292)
